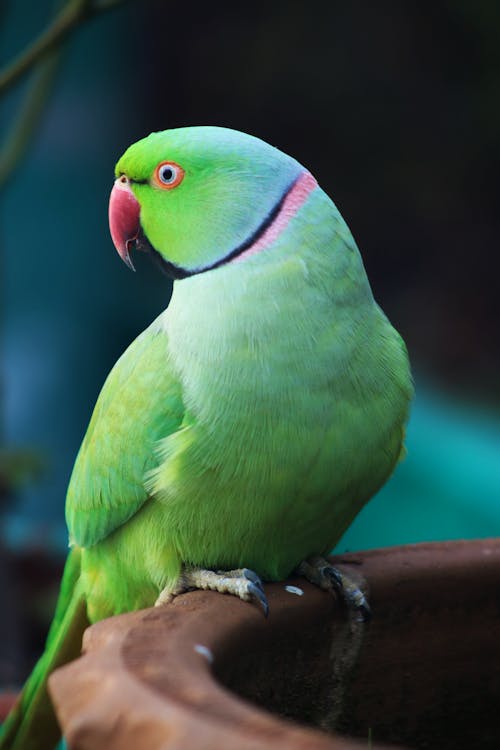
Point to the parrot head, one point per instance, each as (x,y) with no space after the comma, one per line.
(200,197)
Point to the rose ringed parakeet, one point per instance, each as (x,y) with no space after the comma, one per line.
(248,425)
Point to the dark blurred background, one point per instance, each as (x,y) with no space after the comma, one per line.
(395,107)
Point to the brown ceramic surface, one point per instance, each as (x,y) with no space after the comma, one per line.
(424,673)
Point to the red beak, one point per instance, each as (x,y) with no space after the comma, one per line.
(124,211)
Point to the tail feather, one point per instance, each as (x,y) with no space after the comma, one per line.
(32,724)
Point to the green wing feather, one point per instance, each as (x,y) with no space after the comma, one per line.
(107,484)
(32,724)
(106,489)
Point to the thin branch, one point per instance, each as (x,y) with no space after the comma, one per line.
(27,118)
(43,54)
(71,15)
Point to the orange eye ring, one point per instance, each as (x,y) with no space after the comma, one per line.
(168,175)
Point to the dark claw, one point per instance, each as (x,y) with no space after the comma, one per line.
(335,576)
(352,595)
(253,577)
(259,596)
(364,612)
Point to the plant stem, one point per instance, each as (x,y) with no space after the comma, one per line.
(28,116)
(70,16)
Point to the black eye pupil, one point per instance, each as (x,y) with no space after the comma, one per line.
(167,174)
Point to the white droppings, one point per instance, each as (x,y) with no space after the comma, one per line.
(204,651)
(294,590)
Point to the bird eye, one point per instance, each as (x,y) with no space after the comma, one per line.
(168,174)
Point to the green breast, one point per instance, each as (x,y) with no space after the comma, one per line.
(296,390)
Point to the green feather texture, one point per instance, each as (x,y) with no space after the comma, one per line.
(249,424)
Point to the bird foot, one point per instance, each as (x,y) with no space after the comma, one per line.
(319,571)
(241,582)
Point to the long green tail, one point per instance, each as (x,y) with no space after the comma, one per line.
(32,724)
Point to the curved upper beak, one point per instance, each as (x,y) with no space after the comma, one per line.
(124,211)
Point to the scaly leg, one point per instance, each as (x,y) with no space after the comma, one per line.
(242,582)
(319,571)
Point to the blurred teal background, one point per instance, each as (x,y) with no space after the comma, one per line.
(394,107)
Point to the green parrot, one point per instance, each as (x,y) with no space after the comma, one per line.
(238,436)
